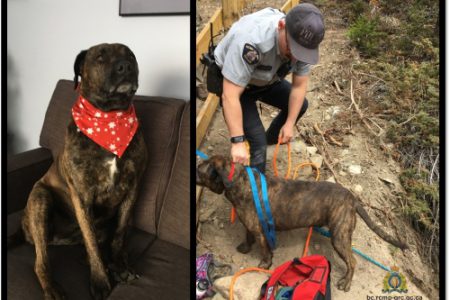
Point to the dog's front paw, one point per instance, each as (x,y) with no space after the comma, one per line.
(100,288)
(122,273)
(344,285)
(54,293)
(265,264)
(244,248)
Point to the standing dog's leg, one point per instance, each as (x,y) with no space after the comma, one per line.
(100,287)
(341,239)
(246,245)
(266,262)
(35,224)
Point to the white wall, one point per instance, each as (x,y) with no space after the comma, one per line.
(44,37)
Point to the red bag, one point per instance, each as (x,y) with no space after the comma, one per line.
(309,277)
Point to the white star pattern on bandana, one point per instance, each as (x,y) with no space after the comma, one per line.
(91,121)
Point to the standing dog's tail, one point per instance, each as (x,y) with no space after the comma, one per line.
(375,228)
(15,239)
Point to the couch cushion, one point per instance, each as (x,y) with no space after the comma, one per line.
(68,265)
(174,221)
(159,119)
(165,274)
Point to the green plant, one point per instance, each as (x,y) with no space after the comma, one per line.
(365,36)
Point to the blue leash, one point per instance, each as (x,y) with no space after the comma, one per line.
(268,227)
(201,154)
(326,233)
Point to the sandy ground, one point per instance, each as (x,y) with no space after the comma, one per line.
(377,185)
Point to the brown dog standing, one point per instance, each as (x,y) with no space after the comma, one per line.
(88,193)
(294,204)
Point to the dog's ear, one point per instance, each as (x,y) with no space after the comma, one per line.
(219,164)
(78,66)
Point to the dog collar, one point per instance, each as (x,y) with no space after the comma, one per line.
(112,130)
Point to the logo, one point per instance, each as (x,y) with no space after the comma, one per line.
(251,54)
(394,282)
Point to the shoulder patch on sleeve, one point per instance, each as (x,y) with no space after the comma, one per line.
(251,55)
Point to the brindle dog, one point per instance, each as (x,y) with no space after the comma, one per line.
(88,194)
(294,204)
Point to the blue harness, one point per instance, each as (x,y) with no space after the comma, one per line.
(264,213)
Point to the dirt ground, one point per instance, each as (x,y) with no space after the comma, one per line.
(347,143)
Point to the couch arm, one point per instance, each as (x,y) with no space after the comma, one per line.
(24,169)
(174,220)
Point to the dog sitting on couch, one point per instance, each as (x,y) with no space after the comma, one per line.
(88,194)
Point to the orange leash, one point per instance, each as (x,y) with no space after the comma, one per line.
(233,280)
(274,161)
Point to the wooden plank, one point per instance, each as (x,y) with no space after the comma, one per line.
(231,11)
(204,36)
(286,6)
(204,117)
(198,194)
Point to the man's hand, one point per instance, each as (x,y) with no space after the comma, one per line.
(286,133)
(239,154)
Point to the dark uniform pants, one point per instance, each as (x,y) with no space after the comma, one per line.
(276,95)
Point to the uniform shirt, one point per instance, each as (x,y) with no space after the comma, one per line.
(250,54)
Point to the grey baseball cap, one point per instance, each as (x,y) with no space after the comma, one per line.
(305,30)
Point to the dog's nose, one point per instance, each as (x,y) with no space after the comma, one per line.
(123,67)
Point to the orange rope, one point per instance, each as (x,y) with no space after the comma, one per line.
(274,161)
(307,164)
(233,280)
(233,215)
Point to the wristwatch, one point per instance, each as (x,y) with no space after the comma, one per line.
(237,139)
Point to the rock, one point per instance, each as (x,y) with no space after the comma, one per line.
(355,169)
(345,152)
(205,213)
(342,173)
(210,148)
(332,112)
(331,179)
(246,287)
(316,159)
(358,189)
(218,296)
(387,180)
(311,150)
(300,147)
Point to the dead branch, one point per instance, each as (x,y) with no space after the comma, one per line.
(358,111)
(324,153)
(332,139)
(338,88)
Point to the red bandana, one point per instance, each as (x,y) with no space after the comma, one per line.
(111,130)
